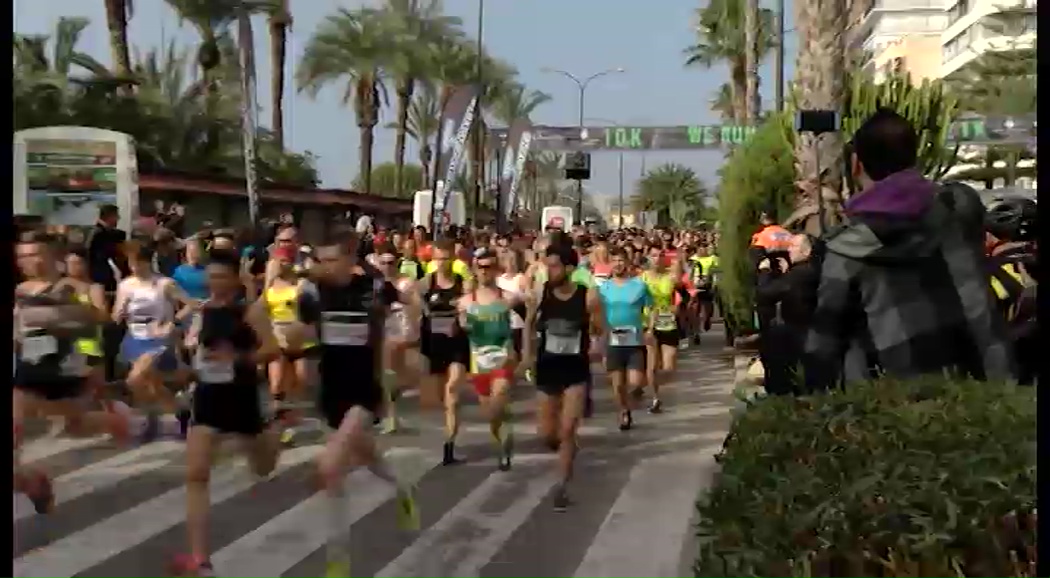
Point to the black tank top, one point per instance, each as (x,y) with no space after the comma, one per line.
(225,326)
(44,357)
(438,303)
(563,325)
(350,315)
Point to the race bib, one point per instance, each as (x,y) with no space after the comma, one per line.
(74,365)
(396,326)
(213,370)
(490,358)
(281,329)
(665,322)
(562,338)
(599,279)
(344,329)
(140,328)
(624,337)
(443,325)
(37,347)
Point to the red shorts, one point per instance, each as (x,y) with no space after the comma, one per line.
(483,381)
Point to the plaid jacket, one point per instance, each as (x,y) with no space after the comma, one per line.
(907,296)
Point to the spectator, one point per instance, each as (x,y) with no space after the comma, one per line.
(903,287)
(165,251)
(106,260)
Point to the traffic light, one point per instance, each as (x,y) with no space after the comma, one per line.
(578,166)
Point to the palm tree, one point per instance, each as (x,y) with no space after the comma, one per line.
(820,72)
(452,63)
(351,47)
(517,102)
(723,104)
(721,38)
(212,19)
(118,12)
(280,20)
(415,28)
(422,122)
(673,191)
(753,100)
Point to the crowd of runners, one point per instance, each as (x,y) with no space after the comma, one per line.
(221,339)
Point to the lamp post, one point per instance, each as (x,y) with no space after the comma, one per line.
(619,223)
(479,150)
(582,85)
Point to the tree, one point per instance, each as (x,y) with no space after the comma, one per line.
(118,12)
(415,27)
(279,21)
(517,102)
(820,75)
(753,100)
(350,47)
(720,35)
(422,123)
(673,191)
(413,179)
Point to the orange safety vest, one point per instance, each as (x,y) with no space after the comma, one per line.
(772,238)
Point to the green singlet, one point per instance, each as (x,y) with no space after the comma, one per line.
(489,333)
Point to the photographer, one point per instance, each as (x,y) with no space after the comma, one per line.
(1013,256)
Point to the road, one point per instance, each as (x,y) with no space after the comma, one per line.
(121,512)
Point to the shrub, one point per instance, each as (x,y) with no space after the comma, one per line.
(758,174)
(927,477)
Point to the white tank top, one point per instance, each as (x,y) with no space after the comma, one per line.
(512,286)
(147,306)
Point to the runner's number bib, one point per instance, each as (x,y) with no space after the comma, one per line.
(665,322)
(210,370)
(624,337)
(37,347)
(344,328)
(562,338)
(443,325)
(490,358)
(140,327)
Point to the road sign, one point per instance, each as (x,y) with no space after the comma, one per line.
(987,130)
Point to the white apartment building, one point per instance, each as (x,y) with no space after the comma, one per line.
(978,26)
(934,38)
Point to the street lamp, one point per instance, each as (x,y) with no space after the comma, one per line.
(582,85)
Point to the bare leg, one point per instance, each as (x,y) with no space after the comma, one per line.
(200,452)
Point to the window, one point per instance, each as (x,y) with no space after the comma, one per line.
(957,45)
(960,9)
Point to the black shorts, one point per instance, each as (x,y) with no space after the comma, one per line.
(234,408)
(443,351)
(351,382)
(625,358)
(705,296)
(556,373)
(57,389)
(293,356)
(516,336)
(669,337)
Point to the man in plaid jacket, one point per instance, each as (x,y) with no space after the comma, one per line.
(903,286)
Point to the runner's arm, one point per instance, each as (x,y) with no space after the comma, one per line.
(595,312)
(120,303)
(259,319)
(177,295)
(97,295)
(528,334)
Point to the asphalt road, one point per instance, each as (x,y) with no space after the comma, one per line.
(121,512)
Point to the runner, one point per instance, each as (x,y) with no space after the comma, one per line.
(624,299)
(444,343)
(232,341)
(562,318)
(662,346)
(350,311)
(91,294)
(401,331)
(147,301)
(50,374)
(513,282)
(289,373)
(485,315)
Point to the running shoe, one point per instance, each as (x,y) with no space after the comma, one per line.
(626,421)
(448,454)
(505,439)
(186,565)
(40,492)
(561,499)
(407,510)
(656,406)
(337,569)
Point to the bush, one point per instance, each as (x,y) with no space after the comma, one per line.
(928,477)
(758,174)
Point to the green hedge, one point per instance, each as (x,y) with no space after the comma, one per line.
(756,176)
(928,477)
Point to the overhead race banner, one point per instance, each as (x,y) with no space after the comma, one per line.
(966,130)
(249,110)
(517,150)
(455,126)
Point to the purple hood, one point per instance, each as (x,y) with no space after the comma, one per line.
(906,194)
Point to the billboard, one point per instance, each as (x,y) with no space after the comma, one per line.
(65,173)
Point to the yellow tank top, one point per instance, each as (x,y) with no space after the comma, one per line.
(89,346)
(282,303)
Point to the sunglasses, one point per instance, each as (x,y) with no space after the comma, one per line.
(388,262)
(485,266)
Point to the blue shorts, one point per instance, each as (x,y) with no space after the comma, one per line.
(131,349)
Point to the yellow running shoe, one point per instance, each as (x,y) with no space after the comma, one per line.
(337,569)
(407,510)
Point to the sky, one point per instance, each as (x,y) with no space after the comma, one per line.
(645,38)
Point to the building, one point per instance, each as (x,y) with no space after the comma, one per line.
(979,26)
(935,38)
(903,36)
